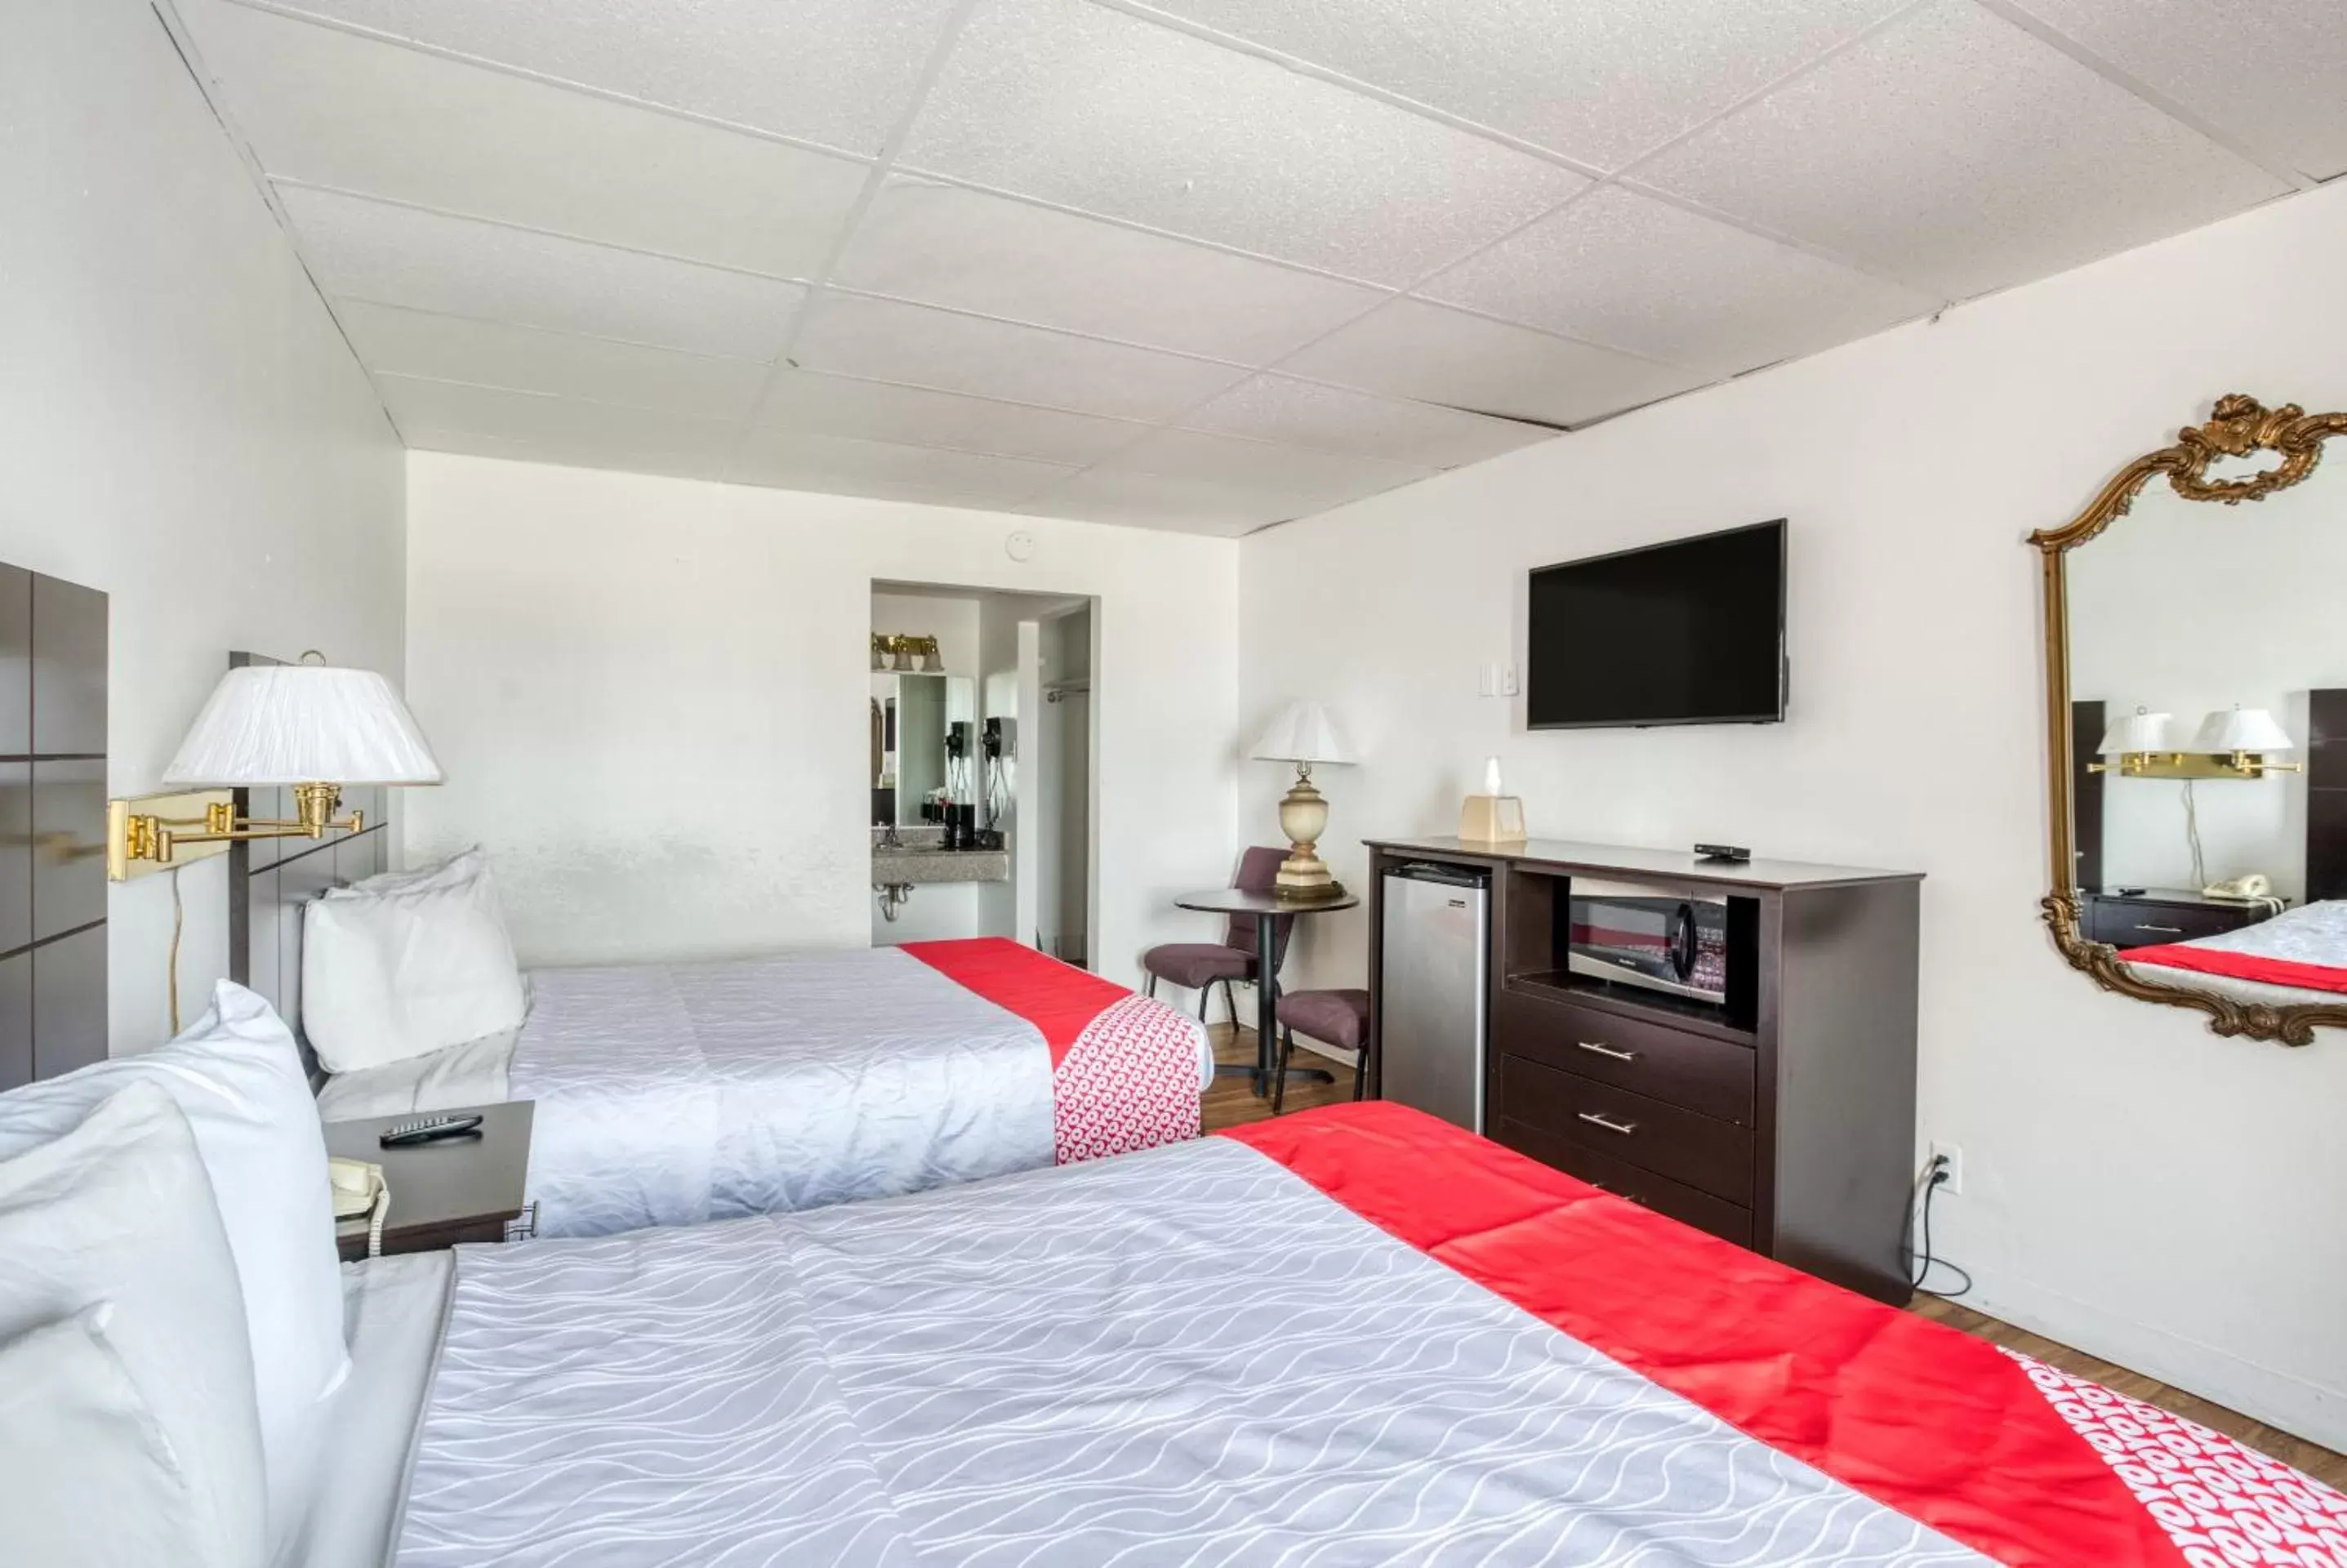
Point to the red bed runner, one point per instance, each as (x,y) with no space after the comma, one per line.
(1124,1068)
(1993,1449)
(2239,966)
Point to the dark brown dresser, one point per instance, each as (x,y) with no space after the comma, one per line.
(1780,1117)
(2151,916)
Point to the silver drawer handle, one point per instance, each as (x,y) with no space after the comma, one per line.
(2163,930)
(1595,1120)
(1607,1050)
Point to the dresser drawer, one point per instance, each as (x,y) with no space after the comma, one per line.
(1675,1066)
(2125,923)
(1682,1203)
(1712,1156)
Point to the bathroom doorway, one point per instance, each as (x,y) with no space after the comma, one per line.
(1066,744)
(966,763)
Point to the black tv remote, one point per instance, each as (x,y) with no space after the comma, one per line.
(429,1129)
(1733,854)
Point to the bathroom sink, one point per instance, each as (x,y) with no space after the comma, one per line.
(917,865)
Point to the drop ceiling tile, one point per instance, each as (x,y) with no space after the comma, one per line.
(1157,501)
(525,359)
(838,72)
(1100,111)
(324,106)
(1601,83)
(881,340)
(1325,478)
(1634,272)
(533,416)
(801,401)
(1955,151)
(833,465)
(1337,419)
(1425,353)
(2274,76)
(372,251)
(943,245)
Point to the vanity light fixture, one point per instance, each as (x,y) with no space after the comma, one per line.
(2235,744)
(316,727)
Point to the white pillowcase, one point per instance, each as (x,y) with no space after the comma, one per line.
(237,1078)
(117,1213)
(88,1474)
(405,964)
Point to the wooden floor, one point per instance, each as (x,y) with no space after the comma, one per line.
(1230,1103)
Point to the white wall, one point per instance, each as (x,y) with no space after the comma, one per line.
(2178,616)
(2132,1184)
(184,427)
(650,698)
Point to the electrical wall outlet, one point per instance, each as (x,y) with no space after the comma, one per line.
(1487,680)
(1508,679)
(1955,1156)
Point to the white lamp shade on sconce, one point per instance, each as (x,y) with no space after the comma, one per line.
(1303,733)
(303,724)
(2233,730)
(2139,732)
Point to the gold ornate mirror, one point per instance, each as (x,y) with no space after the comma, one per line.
(2195,680)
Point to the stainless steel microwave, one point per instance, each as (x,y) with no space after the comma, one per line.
(1640,934)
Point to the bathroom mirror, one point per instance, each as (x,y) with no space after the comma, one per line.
(913,719)
(2195,668)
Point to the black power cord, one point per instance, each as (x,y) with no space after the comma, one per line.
(1934,1176)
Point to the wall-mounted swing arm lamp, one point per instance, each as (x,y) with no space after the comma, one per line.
(315,727)
(2231,744)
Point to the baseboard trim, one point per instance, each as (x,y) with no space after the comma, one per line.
(2300,1407)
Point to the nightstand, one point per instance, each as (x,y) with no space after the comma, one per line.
(464,1189)
(2160,914)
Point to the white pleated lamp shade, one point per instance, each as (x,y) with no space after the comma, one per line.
(1303,733)
(2139,732)
(2241,730)
(303,724)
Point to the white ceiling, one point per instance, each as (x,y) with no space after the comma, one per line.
(1200,265)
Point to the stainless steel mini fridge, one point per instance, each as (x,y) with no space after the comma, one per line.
(1433,996)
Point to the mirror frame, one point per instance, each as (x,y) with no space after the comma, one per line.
(2239,427)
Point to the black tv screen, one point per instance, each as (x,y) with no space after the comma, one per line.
(1689,632)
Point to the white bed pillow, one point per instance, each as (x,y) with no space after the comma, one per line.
(117,1213)
(236,1076)
(399,969)
(86,1472)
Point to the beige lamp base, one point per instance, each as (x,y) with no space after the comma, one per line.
(1492,819)
(1303,817)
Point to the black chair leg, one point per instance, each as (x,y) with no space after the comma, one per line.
(1150,990)
(1230,1004)
(1280,1079)
(1361,1073)
(1204,992)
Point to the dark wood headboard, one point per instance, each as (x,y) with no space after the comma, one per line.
(270,880)
(2326,795)
(53,894)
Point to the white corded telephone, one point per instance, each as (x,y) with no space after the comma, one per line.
(359,1189)
(2244,888)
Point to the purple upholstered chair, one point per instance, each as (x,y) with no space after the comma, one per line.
(1338,1018)
(1200,966)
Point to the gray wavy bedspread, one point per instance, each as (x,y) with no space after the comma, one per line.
(1186,1355)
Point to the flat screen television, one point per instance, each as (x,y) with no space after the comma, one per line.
(1688,632)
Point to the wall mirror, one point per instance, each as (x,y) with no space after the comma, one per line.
(913,719)
(2196,665)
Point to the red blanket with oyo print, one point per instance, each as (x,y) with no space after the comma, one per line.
(2007,1455)
(1126,1070)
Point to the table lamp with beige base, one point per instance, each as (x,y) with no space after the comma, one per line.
(1304,735)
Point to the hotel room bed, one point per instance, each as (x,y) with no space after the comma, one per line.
(2296,958)
(1350,1335)
(674,1093)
